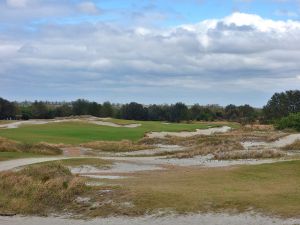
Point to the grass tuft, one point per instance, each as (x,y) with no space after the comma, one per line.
(116,146)
(253,154)
(7,145)
(39,189)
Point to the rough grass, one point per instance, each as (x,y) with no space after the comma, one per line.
(39,190)
(252,154)
(293,147)
(210,145)
(7,145)
(6,121)
(81,132)
(17,155)
(116,146)
(74,162)
(256,133)
(269,188)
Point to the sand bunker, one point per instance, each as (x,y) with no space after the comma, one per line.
(209,131)
(117,167)
(92,120)
(282,142)
(110,124)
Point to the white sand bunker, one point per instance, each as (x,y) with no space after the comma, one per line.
(92,120)
(19,123)
(282,142)
(117,167)
(209,131)
(110,124)
(158,150)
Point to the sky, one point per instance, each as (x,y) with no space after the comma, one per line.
(149,51)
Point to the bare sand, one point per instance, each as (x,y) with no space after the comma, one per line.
(196,219)
(209,131)
(284,141)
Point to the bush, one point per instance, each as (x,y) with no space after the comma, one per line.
(290,122)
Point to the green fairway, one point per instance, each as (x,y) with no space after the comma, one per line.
(80,132)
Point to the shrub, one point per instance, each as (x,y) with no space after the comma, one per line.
(290,122)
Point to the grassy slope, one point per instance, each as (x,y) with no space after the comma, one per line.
(270,188)
(79,132)
(17,155)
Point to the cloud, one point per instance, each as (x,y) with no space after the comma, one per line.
(215,60)
(16,3)
(88,7)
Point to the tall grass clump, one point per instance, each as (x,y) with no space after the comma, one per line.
(39,190)
(7,145)
(253,154)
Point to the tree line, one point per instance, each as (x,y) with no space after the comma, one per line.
(280,105)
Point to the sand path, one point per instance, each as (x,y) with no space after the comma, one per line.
(198,219)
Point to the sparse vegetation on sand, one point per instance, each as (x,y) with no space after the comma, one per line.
(39,190)
(249,154)
(74,162)
(116,146)
(7,145)
(295,146)
(210,145)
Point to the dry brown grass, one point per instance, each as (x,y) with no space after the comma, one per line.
(295,146)
(253,154)
(116,146)
(7,145)
(210,145)
(39,189)
(254,134)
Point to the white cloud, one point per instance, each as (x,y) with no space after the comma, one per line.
(240,53)
(88,7)
(17,3)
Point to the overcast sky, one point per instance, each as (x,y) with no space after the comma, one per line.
(149,51)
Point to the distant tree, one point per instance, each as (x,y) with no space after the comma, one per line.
(178,112)
(246,114)
(134,111)
(63,111)
(158,112)
(195,112)
(107,109)
(40,110)
(282,104)
(8,109)
(95,109)
(231,112)
(80,107)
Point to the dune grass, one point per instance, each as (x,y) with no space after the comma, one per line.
(116,146)
(39,190)
(80,132)
(252,154)
(7,145)
(75,162)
